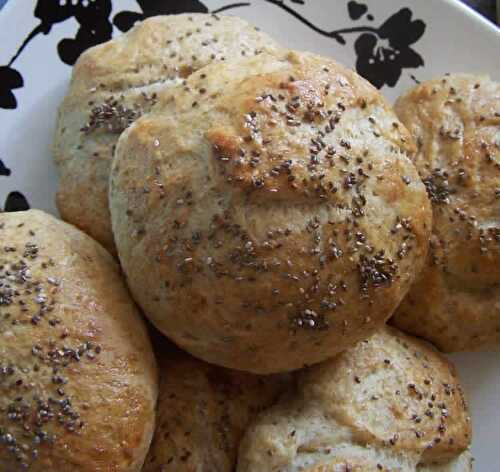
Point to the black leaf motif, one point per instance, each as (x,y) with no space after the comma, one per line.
(356,10)
(10,79)
(4,170)
(126,19)
(16,201)
(95,28)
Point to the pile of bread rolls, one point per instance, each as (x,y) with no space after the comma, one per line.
(270,212)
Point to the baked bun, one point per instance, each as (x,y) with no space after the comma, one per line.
(203,411)
(114,83)
(455,302)
(390,403)
(275,222)
(78,379)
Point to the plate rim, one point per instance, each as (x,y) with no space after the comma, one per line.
(459,5)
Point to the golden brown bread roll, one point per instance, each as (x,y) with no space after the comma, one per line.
(390,403)
(114,83)
(455,302)
(267,215)
(78,380)
(203,411)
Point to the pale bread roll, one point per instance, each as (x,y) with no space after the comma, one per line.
(455,303)
(390,403)
(203,412)
(115,83)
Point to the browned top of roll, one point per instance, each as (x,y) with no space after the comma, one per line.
(267,214)
(77,374)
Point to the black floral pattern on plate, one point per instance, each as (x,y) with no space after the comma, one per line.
(94,28)
(382,53)
(91,15)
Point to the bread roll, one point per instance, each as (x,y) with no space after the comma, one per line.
(114,83)
(203,411)
(390,403)
(78,379)
(274,221)
(455,302)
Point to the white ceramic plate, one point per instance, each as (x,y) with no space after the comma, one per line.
(392,43)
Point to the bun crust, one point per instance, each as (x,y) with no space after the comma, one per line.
(115,83)
(388,403)
(203,411)
(78,380)
(455,302)
(274,221)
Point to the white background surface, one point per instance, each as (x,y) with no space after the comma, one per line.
(456,40)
